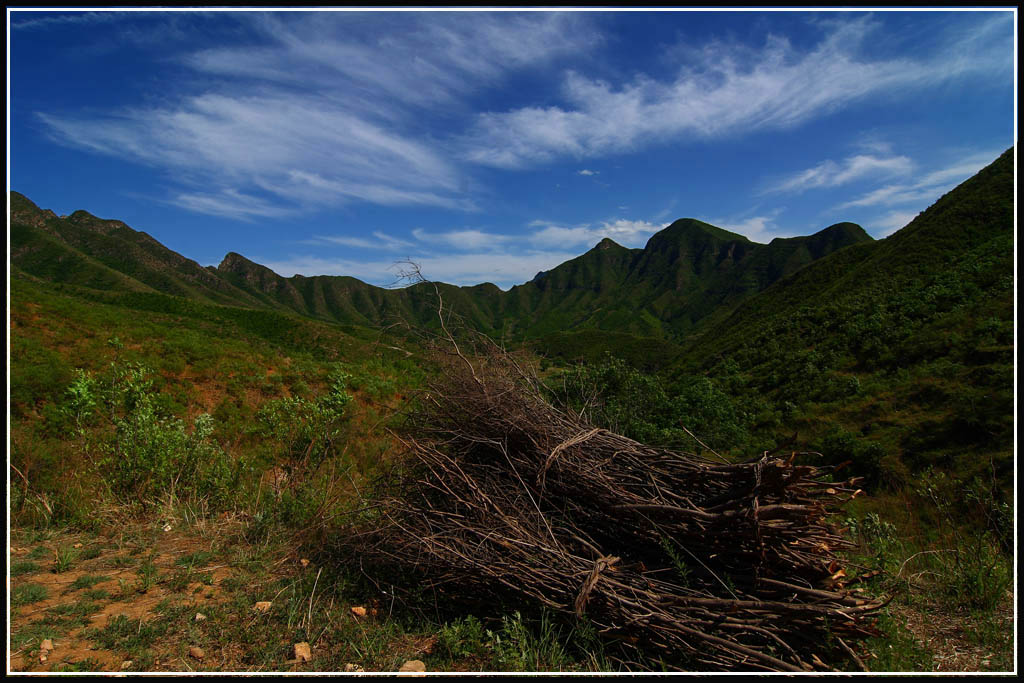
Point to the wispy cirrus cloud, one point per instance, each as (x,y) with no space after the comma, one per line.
(463,268)
(322,109)
(761,228)
(629,233)
(830,173)
(230,203)
(31,20)
(303,152)
(722,89)
(380,241)
(925,189)
(466,256)
(889,223)
(464,240)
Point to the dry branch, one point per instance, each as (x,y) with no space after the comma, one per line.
(710,565)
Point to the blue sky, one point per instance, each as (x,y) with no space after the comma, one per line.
(487,146)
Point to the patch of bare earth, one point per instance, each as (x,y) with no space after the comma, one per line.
(953,636)
(114,571)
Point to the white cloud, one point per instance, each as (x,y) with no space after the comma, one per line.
(587,171)
(381,241)
(327,108)
(761,229)
(892,221)
(476,255)
(628,233)
(722,89)
(925,189)
(501,268)
(306,151)
(463,240)
(230,203)
(831,174)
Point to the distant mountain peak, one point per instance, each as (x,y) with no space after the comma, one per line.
(232,261)
(690,229)
(608,243)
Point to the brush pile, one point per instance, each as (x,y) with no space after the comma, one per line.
(698,563)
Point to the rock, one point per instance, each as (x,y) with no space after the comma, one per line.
(126,664)
(352,668)
(196,652)
(359,611)
(167,527)
(304,562)
(46,645)
(262,606)
(302,652)
(413,665)
(42,658)
(200,616)
(77,546)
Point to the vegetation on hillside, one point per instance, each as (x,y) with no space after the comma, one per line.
(143,389)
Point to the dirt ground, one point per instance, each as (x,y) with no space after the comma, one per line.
(169,596)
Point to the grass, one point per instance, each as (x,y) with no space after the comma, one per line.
(23,567)
(64,559)
(31,635)
(28,593)
(86,581)
(132,636)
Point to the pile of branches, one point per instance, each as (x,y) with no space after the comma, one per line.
(696,562)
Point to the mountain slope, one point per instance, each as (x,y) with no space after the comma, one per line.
(84,250)
(979,210)
(687,272)
(905,344)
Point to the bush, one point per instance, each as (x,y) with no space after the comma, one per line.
(153,456)
(304,427)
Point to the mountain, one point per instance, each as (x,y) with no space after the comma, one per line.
(687,272)
(896,354)
(976,215)
(905,344)
(81,249)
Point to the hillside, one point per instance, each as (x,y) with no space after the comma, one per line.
(905,343)
(190,442)
(688,272)
(81,249)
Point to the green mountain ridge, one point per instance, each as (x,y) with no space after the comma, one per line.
(687,272)
(906,343)
(896,353)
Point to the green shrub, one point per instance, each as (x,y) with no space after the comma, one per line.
(307,427)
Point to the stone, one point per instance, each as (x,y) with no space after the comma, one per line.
(126,664)
(196,652)
(414,666)
(262,606)
(359,611)
(46,645)
(302,652)
(352,668)
(200,616)
(304,562)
